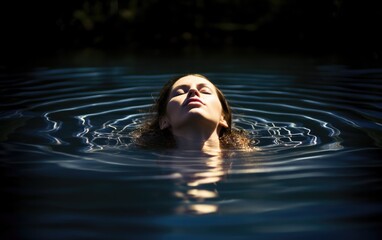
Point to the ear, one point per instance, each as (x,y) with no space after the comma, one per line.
(223,122)
(164,123)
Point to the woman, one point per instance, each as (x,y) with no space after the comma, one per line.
(191,113)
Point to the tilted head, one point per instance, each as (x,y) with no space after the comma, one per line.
(191,95)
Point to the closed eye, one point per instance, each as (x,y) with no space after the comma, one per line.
(205,90)
(178,92)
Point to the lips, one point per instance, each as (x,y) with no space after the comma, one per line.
(193,100)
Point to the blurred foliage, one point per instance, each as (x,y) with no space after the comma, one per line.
(275,24)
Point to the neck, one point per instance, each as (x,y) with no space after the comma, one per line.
(198,140)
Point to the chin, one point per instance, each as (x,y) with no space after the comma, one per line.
(196,112)
(194,117)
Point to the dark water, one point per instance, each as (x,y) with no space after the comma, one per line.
(68,171)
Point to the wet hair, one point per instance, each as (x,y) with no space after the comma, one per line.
(150,135)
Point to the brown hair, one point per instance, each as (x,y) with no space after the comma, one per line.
(149,134)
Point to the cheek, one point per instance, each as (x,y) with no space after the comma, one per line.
(217,106)
(172,107)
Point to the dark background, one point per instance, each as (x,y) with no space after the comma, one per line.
(36,30)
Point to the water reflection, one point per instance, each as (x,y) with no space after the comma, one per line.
(198,177)
(197,208)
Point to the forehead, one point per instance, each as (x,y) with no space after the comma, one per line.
(190,80)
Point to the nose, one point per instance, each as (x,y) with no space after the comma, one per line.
(193,92)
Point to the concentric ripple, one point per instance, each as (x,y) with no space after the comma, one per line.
(89,112)
(317,135)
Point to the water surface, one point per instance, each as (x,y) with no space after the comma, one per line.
(69,171)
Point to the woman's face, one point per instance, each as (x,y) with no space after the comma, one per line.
(193,100)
